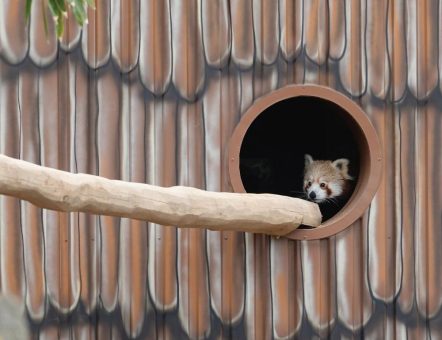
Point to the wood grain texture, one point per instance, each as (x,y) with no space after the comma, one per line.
(287,291)
(108,151)
(316,36)
(378,75)
(390,328)
(381,277)
(71,34)
(243,43)
(30,215)
(258,311)
(12,272)
(385,223)
(132,281)
(422,28)
(266,30)
(407,175)
(86,161)
(428,253)
(247,90)
(193,281)
(291,72)
(337,28)
(156,45)
(125,33)
(56,87)
(43,47)
(216,32)
(263,80)
(224,249)
(95,39)
(353,66)
(14,41)
(319,74)
(161,144)
(354,303)
(319,282)
(188,57)
(291,26)
(396,37)
(182,206)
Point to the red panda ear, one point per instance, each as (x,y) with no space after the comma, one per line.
(308,159)
(342,165)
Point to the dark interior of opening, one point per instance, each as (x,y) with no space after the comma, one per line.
(273,149)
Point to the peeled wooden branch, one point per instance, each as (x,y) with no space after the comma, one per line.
(179,206)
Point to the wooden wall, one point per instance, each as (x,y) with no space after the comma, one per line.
(150,91)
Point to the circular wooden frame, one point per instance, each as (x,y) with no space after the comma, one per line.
(368,143)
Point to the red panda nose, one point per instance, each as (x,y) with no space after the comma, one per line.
(312,195)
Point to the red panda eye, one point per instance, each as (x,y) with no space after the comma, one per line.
(322,185)
(309,183)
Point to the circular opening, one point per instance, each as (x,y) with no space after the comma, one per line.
(268,147)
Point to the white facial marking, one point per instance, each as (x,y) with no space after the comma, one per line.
(321,194)
(336,189)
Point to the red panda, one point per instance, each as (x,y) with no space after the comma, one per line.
(327,183)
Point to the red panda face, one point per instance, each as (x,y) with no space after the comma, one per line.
(325,180)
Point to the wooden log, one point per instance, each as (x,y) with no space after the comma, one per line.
(180,206)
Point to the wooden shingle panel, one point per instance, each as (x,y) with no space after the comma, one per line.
(422,30)
(216,29)
(266,30)
(161,144)
(397,45)
(319,284)
(155,46)
(12,270)
(71,34)
(378,75)
(193,281)
(384,226)
(287,287)
(43,47)
(200,67)
(60,229)
(125,33)
(354,302)
(133,253)
(316,30)
(353,66)
(337,28)
(14,43)
(96,35)
(30,215)
(108,154)
(225,250)
(85,154)
(243,42)
(187,48)
(291,27)
(428,252)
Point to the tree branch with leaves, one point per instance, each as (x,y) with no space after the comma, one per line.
(59,10)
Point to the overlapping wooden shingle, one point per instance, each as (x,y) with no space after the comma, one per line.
(150,91)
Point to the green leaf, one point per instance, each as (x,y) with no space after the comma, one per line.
(62,5)
(79,12)
(58,9)
(45,18)
(57,15)
(53,8)
(28,9)
(60,27)
(91,3)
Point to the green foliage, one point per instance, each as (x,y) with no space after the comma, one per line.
(59,10)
